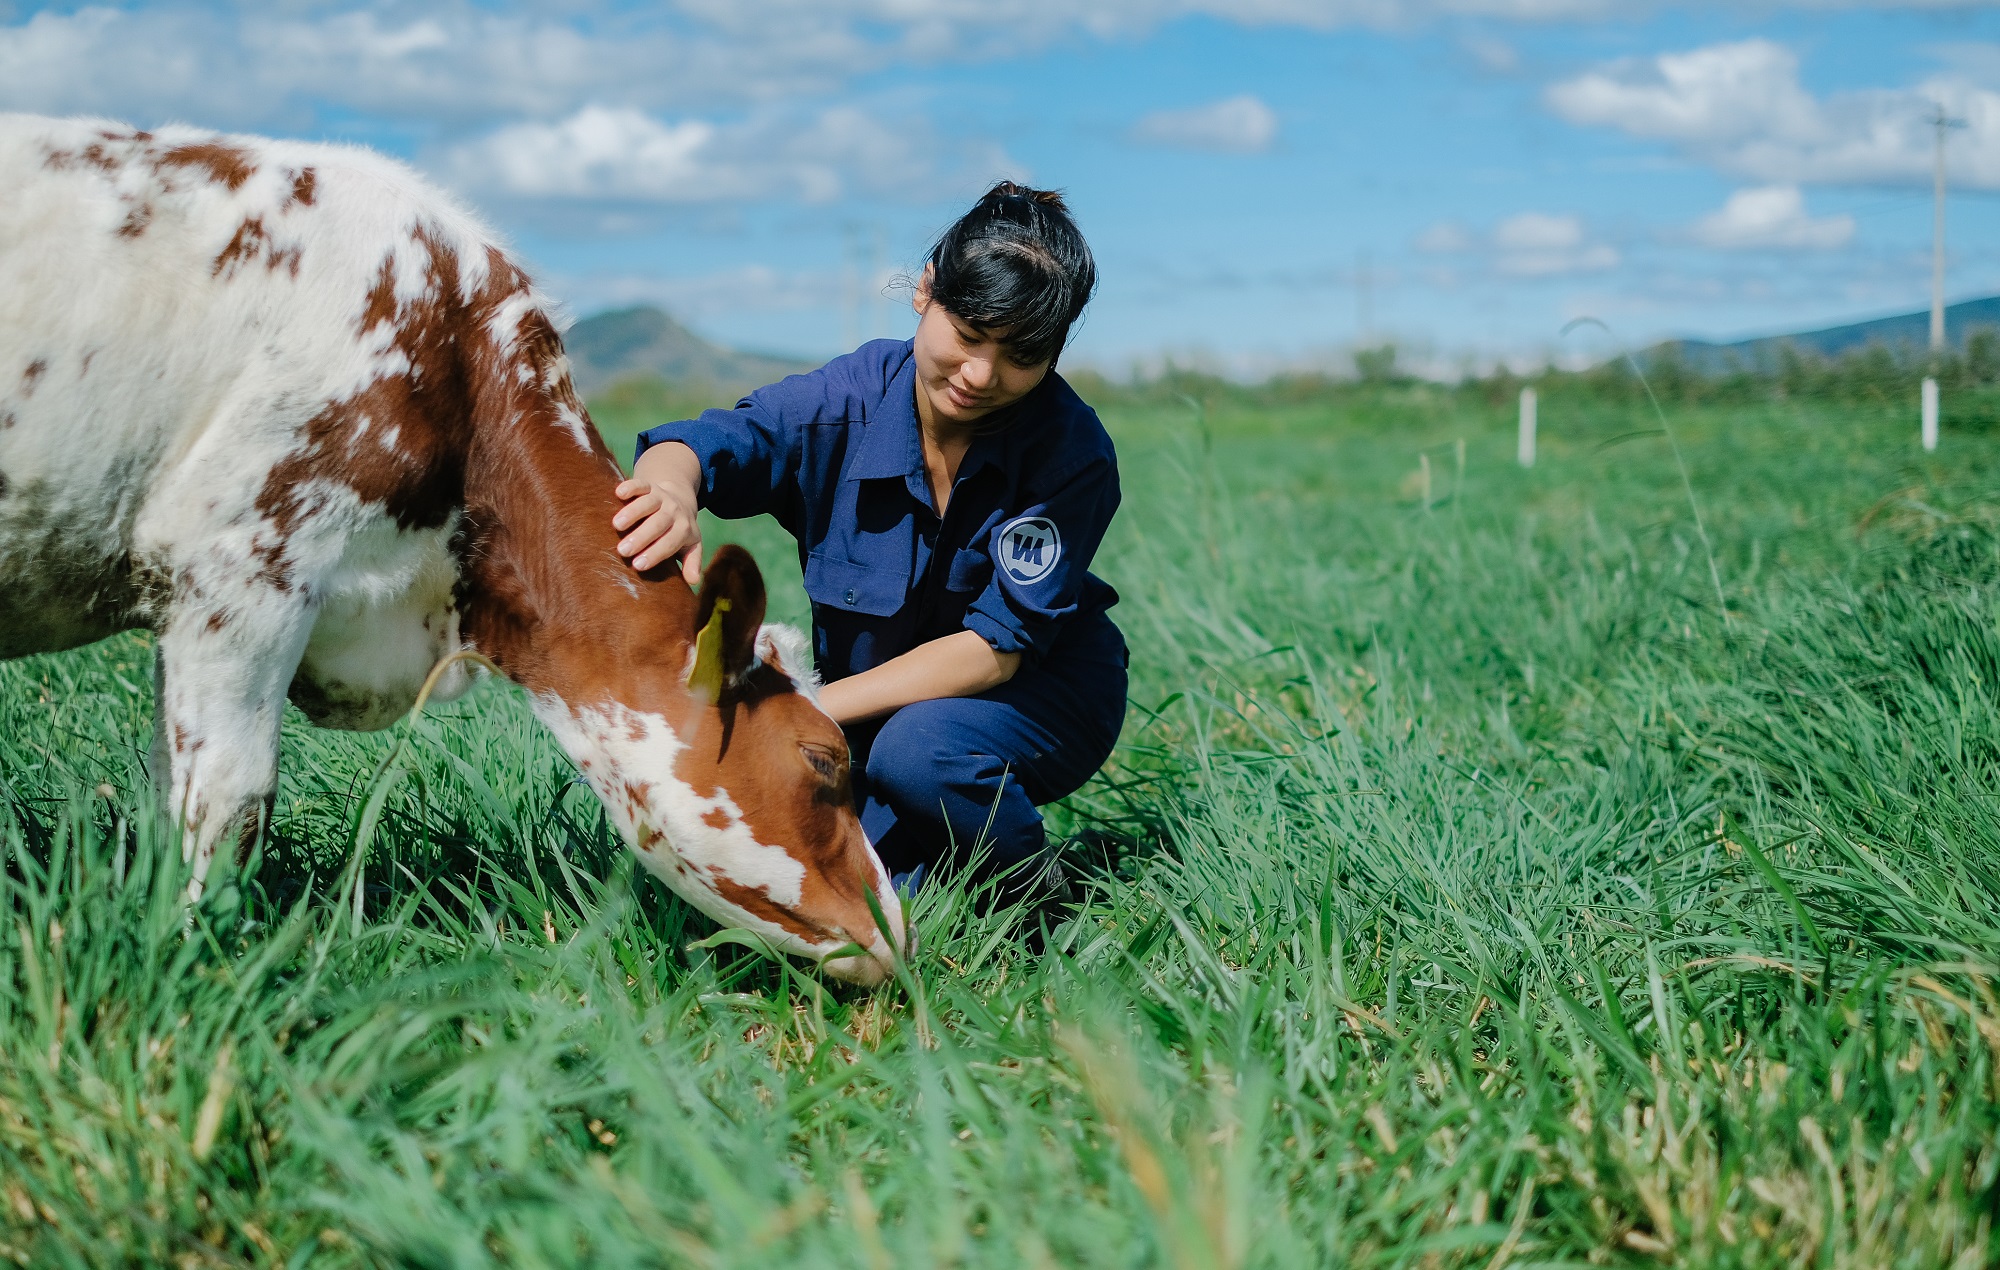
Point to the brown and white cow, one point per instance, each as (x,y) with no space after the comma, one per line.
(296,412)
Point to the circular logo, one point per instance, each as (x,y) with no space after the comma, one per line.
(1029,548)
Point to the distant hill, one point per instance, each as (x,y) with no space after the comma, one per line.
(644,342)
(1907,331)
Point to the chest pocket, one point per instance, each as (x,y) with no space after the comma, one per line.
(970,570)
(846,587)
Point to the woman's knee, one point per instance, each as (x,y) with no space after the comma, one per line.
(919,755)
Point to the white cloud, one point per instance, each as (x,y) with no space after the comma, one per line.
(600,151)
(108,61)
(1525,245)
(1538,231)
(1771,216)
(1444,238)
(263,65)
(1495,55)
(1717,94)
(622,154)
(1234,125)
(266,66)
(1539,245)
(447,63)
(1741,107)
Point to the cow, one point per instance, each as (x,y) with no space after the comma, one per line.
(298,413)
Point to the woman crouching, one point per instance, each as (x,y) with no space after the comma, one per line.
(947,493)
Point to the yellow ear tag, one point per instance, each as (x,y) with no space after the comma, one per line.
(707,673)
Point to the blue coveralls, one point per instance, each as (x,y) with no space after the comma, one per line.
(836,457)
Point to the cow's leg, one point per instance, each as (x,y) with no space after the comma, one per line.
(219,699)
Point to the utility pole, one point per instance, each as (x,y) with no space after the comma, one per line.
(1943,123)
(850,286)
(1364,299)
(878,251)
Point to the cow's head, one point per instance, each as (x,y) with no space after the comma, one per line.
(755,825)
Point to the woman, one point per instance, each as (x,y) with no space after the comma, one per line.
(947,493)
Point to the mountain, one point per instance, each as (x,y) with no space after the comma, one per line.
(1909,332)
(641,342)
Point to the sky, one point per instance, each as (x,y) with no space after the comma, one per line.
(1266,183)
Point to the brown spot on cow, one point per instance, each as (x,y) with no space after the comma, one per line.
(758,903)
(274,562)
(216,621)
(304,185)
(378,307)
(187,585)
(33,375)
(247,241)
(225,164)
(251,240)
(445,347)
(7,420)
(136,220)
(93,155)
(718,818)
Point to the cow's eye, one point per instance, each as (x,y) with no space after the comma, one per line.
(824,762)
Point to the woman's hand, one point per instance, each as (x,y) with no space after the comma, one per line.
(658,520)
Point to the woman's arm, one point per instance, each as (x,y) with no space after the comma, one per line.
(738,462)
(958,665)
(661,501)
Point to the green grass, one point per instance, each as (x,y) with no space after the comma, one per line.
(1489,894)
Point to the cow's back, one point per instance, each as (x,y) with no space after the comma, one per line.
(179,314)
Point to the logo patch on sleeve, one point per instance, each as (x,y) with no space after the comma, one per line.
(1029,548)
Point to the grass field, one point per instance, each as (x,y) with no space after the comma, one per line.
(1513,872)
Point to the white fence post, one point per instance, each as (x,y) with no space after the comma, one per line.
(1524,449)
(1930,414)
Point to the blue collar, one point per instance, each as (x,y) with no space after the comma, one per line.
(891,443)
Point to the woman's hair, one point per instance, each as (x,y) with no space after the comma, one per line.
(1017,261)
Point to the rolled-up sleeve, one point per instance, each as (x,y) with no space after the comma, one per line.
(749,455)
(1041,560)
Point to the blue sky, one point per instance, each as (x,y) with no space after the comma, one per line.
(1265,181)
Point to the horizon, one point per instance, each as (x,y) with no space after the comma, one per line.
(1340,361)
(1264,185)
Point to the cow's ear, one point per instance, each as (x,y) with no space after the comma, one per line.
(727,622)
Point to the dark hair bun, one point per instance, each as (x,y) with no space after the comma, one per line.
(1016,262)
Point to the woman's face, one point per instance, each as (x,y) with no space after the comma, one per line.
(965,372)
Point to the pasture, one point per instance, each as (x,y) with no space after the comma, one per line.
(1498,869)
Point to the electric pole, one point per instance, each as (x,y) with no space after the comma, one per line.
(1364,298)
(850,285)
(878,251)
(1943,123)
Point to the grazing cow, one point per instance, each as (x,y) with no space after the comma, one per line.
(293,410)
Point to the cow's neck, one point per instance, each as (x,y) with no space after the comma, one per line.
(545,594)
